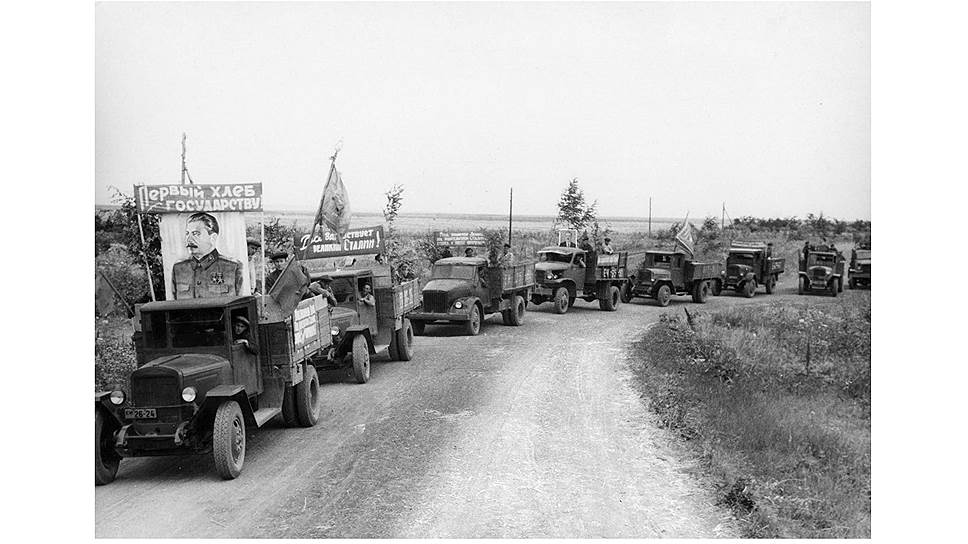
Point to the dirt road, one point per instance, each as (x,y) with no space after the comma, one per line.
(531,431)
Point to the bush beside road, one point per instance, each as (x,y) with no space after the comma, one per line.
(783,427)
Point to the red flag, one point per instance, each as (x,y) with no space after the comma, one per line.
(334,208)
(684,238)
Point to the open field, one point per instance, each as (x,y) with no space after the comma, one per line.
(785,429)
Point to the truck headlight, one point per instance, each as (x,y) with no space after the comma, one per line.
(188,394)
(334,331)
(549,275)
(458,305)
(117,397)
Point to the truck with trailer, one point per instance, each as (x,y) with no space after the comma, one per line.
(198,387)
(859,273)
(564,274)
(468,289)
(663,274)
(751,264)
(822,268)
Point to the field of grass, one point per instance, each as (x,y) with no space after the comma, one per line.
(775,397)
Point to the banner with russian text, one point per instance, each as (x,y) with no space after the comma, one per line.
(226,197)
(363,241)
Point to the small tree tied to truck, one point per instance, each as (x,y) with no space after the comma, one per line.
(751,264)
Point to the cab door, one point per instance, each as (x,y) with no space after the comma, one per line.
(676,270)
(367,313)
(245,364)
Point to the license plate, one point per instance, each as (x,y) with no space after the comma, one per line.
(140,413)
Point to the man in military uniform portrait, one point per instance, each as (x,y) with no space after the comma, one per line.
(205,273)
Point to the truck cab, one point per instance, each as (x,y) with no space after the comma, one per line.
(821,269)
(199,382)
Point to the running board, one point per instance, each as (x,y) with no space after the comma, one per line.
(262,415)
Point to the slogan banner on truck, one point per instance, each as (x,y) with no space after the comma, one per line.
(226,197)
(461,239)
(364,241)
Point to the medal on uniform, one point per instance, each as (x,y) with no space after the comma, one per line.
(217,278)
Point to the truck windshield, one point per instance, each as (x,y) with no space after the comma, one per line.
(552,257)
(741,258)
(822,259)
(197,327)
(660,260)
(453,272)
(344,289)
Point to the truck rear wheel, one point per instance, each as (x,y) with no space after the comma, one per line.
(516,313)
(770,284)
(473,325)
(749,288)
(625,293)
(663,295)
(404,338)
(700,292)
(307,398)
(717,288)
(801,286)
(562,302)
(228,440)
(610,301)
(289,416)
(361,359)
(106,460)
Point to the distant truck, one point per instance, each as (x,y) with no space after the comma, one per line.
(751,264)
(468,289)
(198,388)
(358,330)
(860,267)
(822,268)
(564,274)
(666,273)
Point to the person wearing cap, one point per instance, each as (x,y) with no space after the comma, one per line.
(322,287)
(240,334)
(254,248)
(607,247)
(278,265)
(366,297)
(445,252)
(469,252)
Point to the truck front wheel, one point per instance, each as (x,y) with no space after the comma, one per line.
(404,339)
(749,288)
(663,295)
(307,398)
(106,460)
(228,440)
(361,359)
(561,300)
(473,325)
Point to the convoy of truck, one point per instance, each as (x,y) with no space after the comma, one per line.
(198,387)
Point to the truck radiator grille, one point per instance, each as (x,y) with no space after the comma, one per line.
(155,391)
(435,301)
(819,274)
(732,270)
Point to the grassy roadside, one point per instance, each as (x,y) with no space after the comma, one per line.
(786,435)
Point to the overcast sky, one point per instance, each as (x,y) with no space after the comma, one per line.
(763,106)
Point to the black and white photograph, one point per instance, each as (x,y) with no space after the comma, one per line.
(452,270)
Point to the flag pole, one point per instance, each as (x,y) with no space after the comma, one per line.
(319,212)
(144,257)
(510,212)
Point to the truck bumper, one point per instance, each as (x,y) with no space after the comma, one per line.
(642,290)
(545,290)
(445,316)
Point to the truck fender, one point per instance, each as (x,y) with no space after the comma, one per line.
(221,393)
(102,403)
(352,332)
(655,288)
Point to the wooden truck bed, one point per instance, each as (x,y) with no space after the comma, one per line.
(396,300)
(286,344)
(511,278)
(776,264)
(701,271)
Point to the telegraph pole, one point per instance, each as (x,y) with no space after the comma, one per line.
(510,211)
(650,216)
